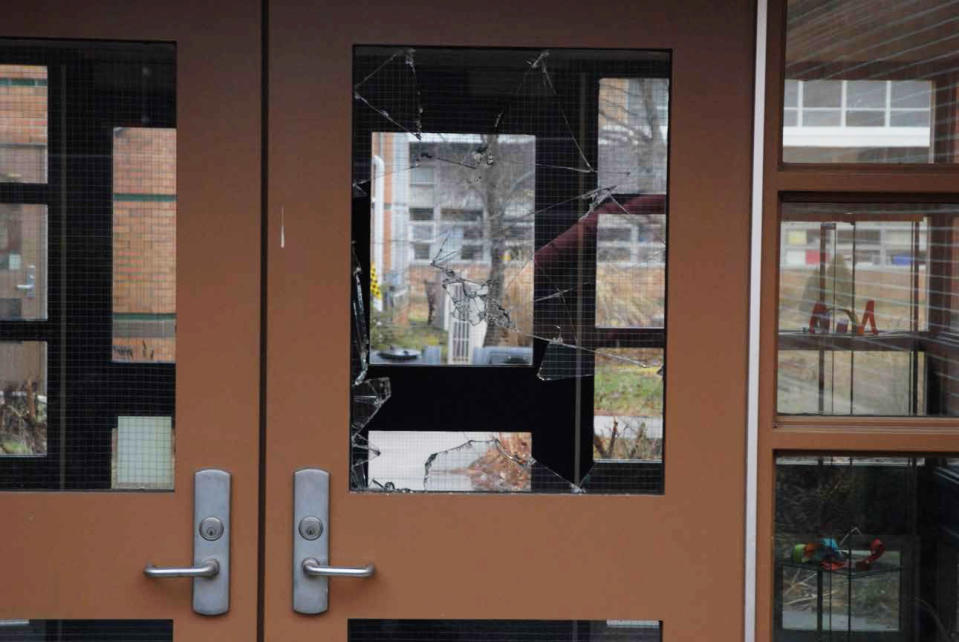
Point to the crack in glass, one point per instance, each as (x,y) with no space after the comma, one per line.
(532,288)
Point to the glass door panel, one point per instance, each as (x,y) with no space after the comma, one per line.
(129,237)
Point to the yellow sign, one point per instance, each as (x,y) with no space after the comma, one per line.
(374,284)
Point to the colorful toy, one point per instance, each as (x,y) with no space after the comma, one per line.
(826,552)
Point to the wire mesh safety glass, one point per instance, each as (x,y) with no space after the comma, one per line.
(509,296)
(87,265)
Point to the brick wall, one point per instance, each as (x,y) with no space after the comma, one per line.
(144,244)
(23,123)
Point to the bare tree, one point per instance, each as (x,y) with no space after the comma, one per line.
(631,127)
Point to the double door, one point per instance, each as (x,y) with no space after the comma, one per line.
(444,253)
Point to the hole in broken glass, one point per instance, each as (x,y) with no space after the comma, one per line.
(468,265)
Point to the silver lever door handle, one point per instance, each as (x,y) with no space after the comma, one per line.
(314,569)
(209,568)
(311,543)
(211,544)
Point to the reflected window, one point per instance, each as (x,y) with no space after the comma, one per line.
(867,301)
(865,548)
(879,91)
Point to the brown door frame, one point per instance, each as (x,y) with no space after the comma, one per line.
(677,557)
(80,555)
(849,435)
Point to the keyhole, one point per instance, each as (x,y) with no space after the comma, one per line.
(311,527)
(211,529)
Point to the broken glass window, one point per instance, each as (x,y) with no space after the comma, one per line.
(510,239)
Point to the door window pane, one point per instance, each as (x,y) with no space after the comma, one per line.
(23,261)
(88,266)
(505,630)
(865,547)
(867,309)
(510,256)
(23,123)
(24,630)
(885,71)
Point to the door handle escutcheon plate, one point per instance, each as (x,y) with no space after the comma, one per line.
(311,543)
(211,544)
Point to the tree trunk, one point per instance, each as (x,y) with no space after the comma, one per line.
(496,233)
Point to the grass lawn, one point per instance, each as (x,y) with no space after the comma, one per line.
(627,389)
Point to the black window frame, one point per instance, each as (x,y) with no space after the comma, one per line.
(512,398)
(85,103)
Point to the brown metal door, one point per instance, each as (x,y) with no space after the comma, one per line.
(74,560)
(675,556)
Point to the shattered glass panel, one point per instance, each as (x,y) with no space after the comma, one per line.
(867,293)
(509,211)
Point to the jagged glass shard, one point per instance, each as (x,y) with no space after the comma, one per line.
(359,355)
(397,101)
(563,361)
(368,397)
(492,465)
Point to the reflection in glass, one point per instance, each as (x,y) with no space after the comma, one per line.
(866,309)
(23,261)
(23,630)
(87,265)
(23,124)
(866,546)
(144,244)
(870,82)
(23,398)
(505,630)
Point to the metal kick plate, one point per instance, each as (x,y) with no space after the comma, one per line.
(311,499)
(211,539)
